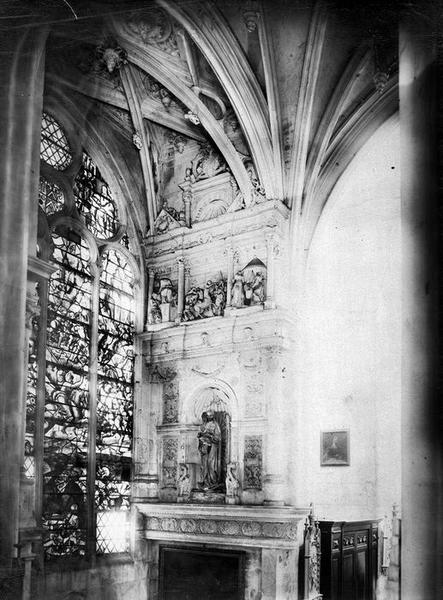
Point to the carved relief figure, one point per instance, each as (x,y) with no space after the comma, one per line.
(207,163)
(209,441)
(155,314)
(184,481)
(161,301)
(258,288)
(209,301)
(166,293)
(249,285)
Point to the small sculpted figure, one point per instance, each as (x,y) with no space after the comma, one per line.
(232,484)
(184,482)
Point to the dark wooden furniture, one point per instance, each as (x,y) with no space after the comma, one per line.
(349,564)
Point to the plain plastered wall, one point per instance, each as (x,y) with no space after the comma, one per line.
(352,323)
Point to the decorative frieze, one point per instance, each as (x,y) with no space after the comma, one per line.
(223,527)
(253,460)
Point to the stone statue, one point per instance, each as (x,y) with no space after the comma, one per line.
(183,483)
(232,484)
(209,442)
(238,294)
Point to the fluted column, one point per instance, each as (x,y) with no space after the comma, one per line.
(21,93)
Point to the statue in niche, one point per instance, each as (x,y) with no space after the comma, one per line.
(183,483)
(238,294)
(232,484)
(161,301)
(209,446)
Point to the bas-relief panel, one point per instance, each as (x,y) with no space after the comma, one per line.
(170,401)
(253,460)
(169,461)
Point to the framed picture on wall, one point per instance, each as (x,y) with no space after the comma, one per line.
(334,448)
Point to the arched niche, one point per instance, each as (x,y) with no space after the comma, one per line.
(219,398)
(213,394)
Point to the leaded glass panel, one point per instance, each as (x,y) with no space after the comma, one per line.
(50,196)
(114,401)
(54,147)
(71,363)
(31,401)
(94,200)
(67,400)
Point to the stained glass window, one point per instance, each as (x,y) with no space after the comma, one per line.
(31,401)
(89,366)
(54,147)
(50,196)
(114,400)
(94,200)
(67,400)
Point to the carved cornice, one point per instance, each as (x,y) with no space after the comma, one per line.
(40,269)
(242,330)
